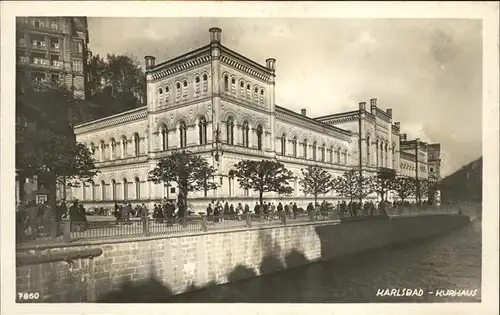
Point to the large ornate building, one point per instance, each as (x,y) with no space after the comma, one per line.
(219,104)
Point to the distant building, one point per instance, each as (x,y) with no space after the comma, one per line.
(465,184)
(219,104)
(53,50)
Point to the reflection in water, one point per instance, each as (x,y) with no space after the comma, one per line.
(449,262)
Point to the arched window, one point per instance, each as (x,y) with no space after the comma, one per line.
(182,134)
(262,96)
(167,94)
(164,138)
(112,149)
(344,157)
(84,191)
(242,88)
(330,152)
(205,82)
(160,91)
(102,149)
(283,144)
(137,147)
(394,156)
(294,146)
(137,188)
(113,189)
(103,190)
(233,85)
(381,153)
(231,183)
(256,95)
(230,131)
(304,149)
(184,89)
(386,155)
(377,155)
(94,192)
(367,150)
(323,148)
(315,149)
(259,137)
(245,130)
(249,91)
(124,147)
(178,91)
(197,85)
(125,189)
(92,149)
(226,83)
(337,158)
(202,130)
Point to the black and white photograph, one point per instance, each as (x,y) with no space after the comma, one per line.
(293,157)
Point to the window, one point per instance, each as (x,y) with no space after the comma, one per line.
(84,191)
(102,150)
(77,47)
(112,148)
(205,82)
(330,153)
(137,188)
(167,94)
(256,94)
(230,131)
(39,24)
(259,137)
(381,153)
(226,83)
(202,130)
(164,138)
(431,169)
(337,158)
(197,85)
(245,134)
(231,183)
(283,144)
(77,65)
(242,89)
(160,91)
(315,149)
(262,96)
(185,89)
(93,190)
(345,157)
(103,190)
(124,147)
(53,24)
(233,85)
(249,91)
(113,189)
(385,156)
(125,189)
(137,147)
(21,41)
(323,153)
(294,146)
(394,157)
(54,44)
(54,78)
(182,134)
(304,149)
(178,93)
(367,151)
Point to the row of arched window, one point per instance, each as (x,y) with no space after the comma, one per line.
(243,90)
(100,191)
(182,133)
(181,92)
(331,155)
(116,149)
(382,150)
(245,133)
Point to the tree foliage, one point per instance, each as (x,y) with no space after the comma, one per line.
(353,186)
(116,83)
(382,182)
(404,187)
(189,171)
(316,181)
(264,176)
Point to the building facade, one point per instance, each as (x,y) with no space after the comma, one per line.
(219,104)
(53,50)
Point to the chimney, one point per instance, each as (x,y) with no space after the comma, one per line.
(373,106)
(271,64)
(149,61)
(215,34)
(362,106)
(389,112)
(303,112)
(397,124)
(404,136)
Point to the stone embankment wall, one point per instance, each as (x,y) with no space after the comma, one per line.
(152,269)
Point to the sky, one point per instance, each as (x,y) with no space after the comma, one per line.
(429,71)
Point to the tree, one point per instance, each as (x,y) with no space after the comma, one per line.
(382,181)
(316,181)
(264,176)
(117,83)
(404,187)
(45,142)
(348,185)
(190,172)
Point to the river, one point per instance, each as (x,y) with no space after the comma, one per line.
(450,262)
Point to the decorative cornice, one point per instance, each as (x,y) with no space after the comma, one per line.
(340,120)
(382,114)
(293,118)
(243,64)
(121,118)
